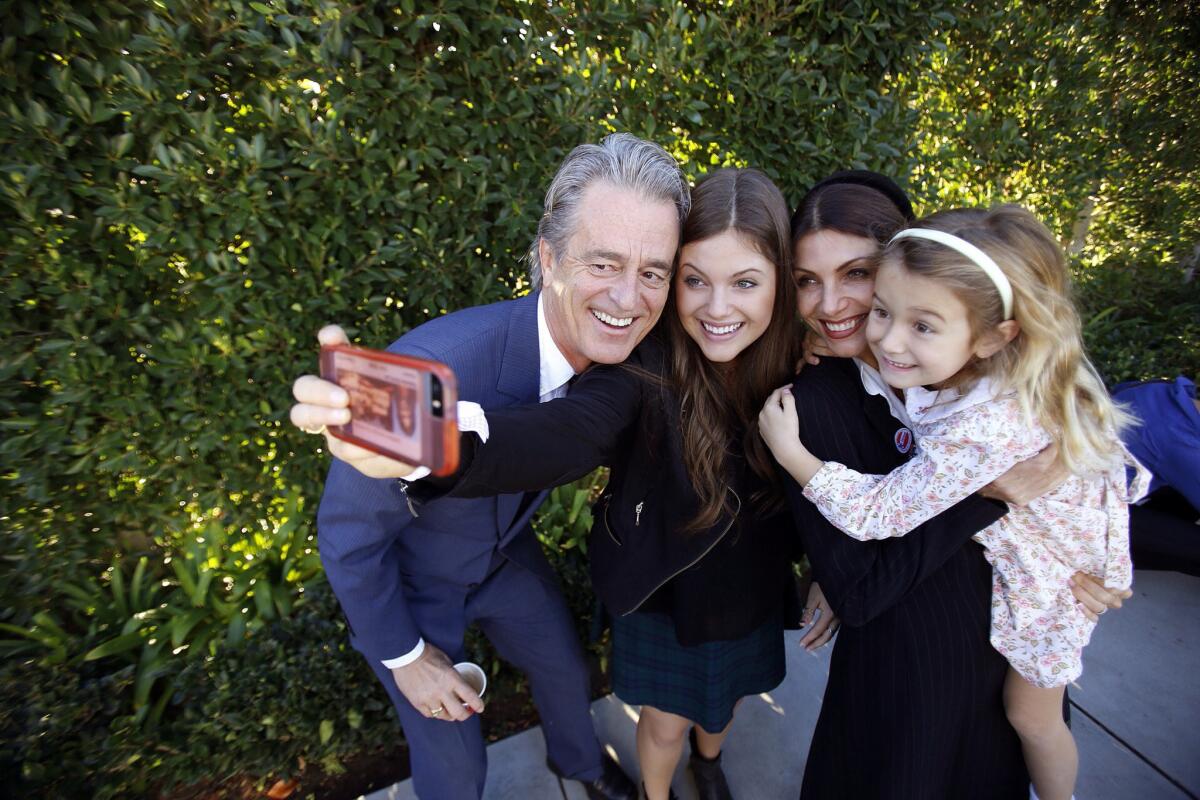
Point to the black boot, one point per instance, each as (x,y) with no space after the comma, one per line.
(613,783)
(710,779)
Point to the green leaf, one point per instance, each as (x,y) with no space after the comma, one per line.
(117,588)
(137,585)
(236,630)
(152,665)
(41,637)
(262,599)
(577,504)
(180,565)
(37,114)
(283,603)
(184,624)
(326,730)
(121,644)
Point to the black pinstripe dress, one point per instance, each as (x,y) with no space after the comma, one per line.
(913,708)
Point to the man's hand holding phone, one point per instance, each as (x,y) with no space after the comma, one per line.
(321,404)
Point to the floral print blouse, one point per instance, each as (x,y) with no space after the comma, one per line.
(963,443)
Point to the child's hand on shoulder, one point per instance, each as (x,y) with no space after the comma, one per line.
(779,426)
(780,429)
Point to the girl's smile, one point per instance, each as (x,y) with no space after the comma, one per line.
(919,330)
(724,293)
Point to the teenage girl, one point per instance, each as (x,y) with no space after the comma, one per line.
(973,323)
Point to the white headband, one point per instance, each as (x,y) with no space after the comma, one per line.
(977,256)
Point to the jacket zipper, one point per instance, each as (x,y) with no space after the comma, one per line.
(694,561)
(412,509)
(637,510)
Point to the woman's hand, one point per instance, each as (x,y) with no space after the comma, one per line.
(1029,479)
(1094,597)
(819,617)
(320,403)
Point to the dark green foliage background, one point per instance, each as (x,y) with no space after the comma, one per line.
(189,189)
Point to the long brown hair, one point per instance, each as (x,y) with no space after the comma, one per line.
(717,403)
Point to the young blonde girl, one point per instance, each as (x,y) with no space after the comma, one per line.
(973,321)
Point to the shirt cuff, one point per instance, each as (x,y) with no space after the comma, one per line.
(471,419)
(407,658)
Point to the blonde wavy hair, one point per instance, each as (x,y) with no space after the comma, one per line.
(1045,363)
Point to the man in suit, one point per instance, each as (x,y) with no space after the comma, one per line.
(410,584)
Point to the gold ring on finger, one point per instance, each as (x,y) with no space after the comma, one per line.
(433,712)
(314,431)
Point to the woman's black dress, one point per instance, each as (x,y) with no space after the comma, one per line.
(913,708)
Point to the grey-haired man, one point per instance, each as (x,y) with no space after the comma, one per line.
(601,264)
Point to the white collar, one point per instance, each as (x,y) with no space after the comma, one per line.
(554,369)
(926,406)
(874,383)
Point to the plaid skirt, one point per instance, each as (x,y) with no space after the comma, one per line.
(650,667)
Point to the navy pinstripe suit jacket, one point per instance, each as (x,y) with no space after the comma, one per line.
(369,540)
(913,707)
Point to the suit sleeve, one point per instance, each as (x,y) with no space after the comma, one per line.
(540,445)
(358,523)
(864,579)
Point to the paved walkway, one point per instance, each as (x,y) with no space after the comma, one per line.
(1136,716)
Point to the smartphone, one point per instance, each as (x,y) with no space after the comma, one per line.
(400,406)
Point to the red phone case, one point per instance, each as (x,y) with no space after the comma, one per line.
(391,402)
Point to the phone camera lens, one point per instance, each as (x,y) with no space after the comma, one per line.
(435,396)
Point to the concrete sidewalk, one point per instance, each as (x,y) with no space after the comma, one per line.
(1136,716)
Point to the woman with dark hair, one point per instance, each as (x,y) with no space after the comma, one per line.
(693,543)
(913,707)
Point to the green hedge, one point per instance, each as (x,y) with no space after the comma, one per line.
(195,186)
(294,693)
(191,188)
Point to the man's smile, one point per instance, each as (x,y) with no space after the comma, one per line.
(611,321)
